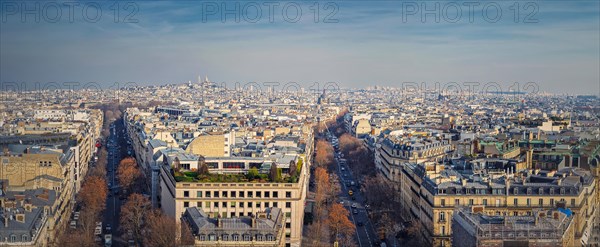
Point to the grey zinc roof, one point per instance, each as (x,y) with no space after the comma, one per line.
(202,223)
(155,143)
(33,219)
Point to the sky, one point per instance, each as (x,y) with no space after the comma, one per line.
(553,44)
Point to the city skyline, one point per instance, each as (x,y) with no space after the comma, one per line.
(300,123)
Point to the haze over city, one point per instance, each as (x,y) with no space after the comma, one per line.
(355,44)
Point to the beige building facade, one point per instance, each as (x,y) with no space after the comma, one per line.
(238,199)
(431,196)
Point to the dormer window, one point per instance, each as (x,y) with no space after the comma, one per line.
(516,191)
(529,191)
(562,191)
(541,192)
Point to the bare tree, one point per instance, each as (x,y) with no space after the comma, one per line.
(338,222)
(163,231)
(414,234)
(84,236)
(360,159)
(128,172)
(319,233)
(322,185)
(381,194)
(99,169)
(334,188)
(93,194)
(348,240)
(324,154)
(349,143)
(75,238)
(134,213)
(187,238)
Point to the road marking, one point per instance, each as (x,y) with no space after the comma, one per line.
(369,238)
(355,228)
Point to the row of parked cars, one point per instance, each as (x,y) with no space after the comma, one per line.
(74,220)
(106,235)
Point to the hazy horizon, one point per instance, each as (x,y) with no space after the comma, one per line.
(379,43)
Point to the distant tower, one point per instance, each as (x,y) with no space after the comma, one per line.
(206,80)
(322,98)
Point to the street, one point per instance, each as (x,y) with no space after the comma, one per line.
(355,203)
(113,201)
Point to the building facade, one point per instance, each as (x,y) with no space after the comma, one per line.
(237,199)
(263,229)
(542,228)
(430,194)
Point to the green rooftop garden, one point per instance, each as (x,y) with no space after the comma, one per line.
(275,175)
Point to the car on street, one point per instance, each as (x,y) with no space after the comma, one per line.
(353,205)
(108,240)
(355,211)
(359,223)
